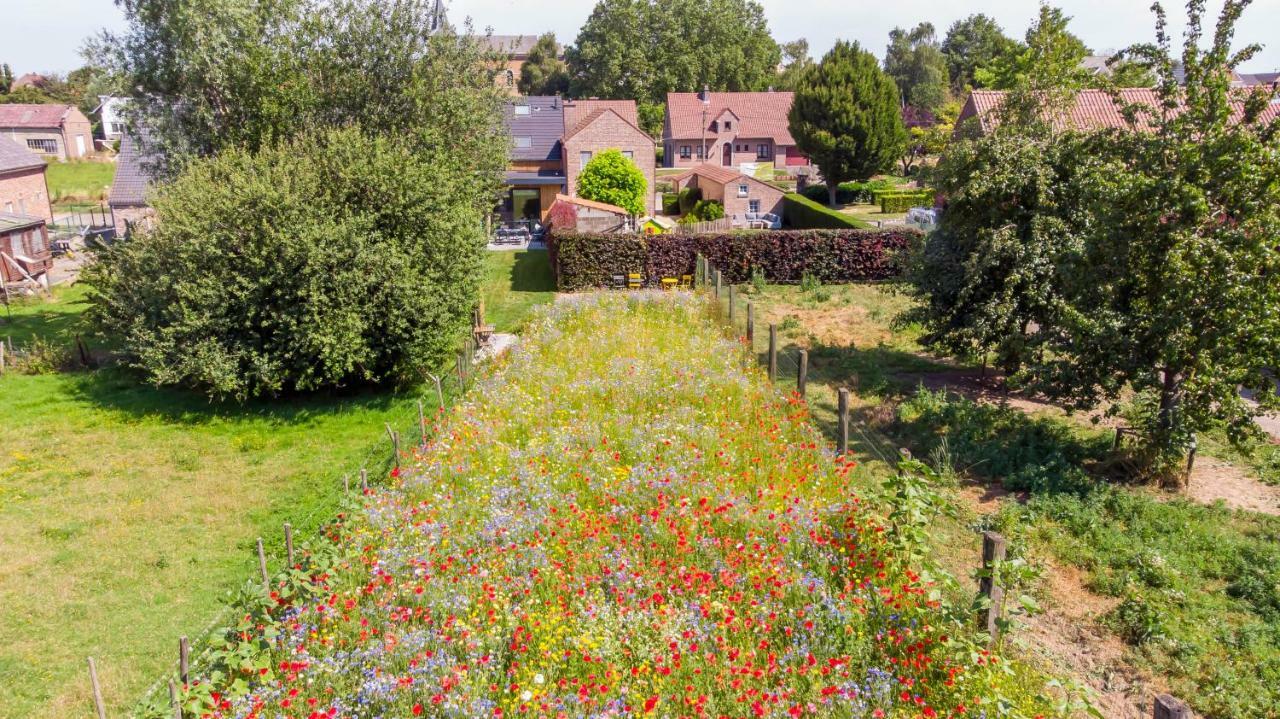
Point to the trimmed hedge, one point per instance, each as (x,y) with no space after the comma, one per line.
(850,192)
(805,214)
(584,261)
(904,201)
(689,197)
(670,203)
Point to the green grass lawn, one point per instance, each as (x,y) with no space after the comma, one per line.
(516,282)
(79,182)
(128,513)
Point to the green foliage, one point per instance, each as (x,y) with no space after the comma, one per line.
(689,198)
(915,62)
(332,260)
(795,62)
(215,74)
(972,43)
(846,116)
(850,192)
(543,72)
(1051,55)
(612,178)
(802,213)
(644,49)
(670,203)
(704,211)
(6,79)
(897,202)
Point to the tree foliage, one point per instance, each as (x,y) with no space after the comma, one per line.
(544,72)
(927,134)
(795,62)
(1051,55)
(644,49)
(331,260)
(612,178)
(1137,259)
(846,116)
(971,43)
(916,63)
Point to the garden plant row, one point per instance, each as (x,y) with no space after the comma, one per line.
(583,260)
(619,521)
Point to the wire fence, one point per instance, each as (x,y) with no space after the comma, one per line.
(440,387)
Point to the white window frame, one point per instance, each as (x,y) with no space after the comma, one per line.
(584,157)
(629,154)
(521,109)
(524,143)
(763,152)
(744,189)
(42,145)
(753,206)
(686,152)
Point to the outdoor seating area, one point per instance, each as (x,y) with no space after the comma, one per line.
(759,221)
(636,280)
(518,233)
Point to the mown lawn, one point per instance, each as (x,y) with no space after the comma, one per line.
(515,283)
(1195,589)
(82,181)
(128,513)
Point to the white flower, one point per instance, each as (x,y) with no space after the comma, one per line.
(539,679)
(526,695)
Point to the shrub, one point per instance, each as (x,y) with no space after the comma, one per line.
(704,211)
(804,214)
(689,198)
(583,261)
(850,192)
(895,202)
(612,178)
(671,204)
(335,259)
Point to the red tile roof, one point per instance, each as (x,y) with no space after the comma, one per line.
(592,204)
(34,116)
(1094,109)
(716,173)
(760,114)
(577,112)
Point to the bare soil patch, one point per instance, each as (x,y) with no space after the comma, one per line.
(1213,480)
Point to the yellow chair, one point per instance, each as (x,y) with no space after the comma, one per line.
(634,281)
(686,281)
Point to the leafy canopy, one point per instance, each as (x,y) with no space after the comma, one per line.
(644,49)
(612,178)
(917,65)
(846,116)
(335,259)
(971,43)
(1051,52)
(544,72)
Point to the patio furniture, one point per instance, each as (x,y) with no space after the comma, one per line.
(686,281)
(670,283)
(635,281)
(618,282)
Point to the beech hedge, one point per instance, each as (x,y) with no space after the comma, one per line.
(587,260)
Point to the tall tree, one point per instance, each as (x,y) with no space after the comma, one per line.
(795,61)
(1050,56)
(916,63)
(971,43)
(6,79)
(644,49)
(544,72)
(846,116)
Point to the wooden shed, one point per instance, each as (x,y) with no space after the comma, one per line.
(25,253)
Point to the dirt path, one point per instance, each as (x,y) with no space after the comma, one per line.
(1213,480)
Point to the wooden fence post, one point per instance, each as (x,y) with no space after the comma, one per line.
(346,484)
(462,373)
(994,550)
(1191,460)
(1167,707)
(184,660)
(718,281)
(395,443)
(422,425)
(773,353)
(439,392)
(262,566)
(802,376)
(364,480)
(842,422)
(97,690)
(1,358)
(288,542)
(751,328)
(730,304)
(174,704)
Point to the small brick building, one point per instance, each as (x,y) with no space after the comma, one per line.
(61,132)
(23,190)
(128,201)
(24,248)
(741,195)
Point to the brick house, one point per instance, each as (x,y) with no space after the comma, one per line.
(128,200)
(515,50)
(731,129)
(57,131)
(23,190)
(553,139)
(24,248)
(741,195)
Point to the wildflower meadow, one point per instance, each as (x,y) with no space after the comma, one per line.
(619,520)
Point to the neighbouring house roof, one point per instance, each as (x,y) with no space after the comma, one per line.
(1093,109)
(576,112)
(34,116)
(716,173)
(133,177)
(760,114)
(1096,64)
(10,222)
(517,46)
(1259,78)
(543,126)
(30,79)
(14,157)
(592,204)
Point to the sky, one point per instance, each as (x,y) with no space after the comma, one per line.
(45,35)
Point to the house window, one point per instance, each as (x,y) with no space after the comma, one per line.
(629,154)
(584,157)
(8,208)
(753,206)
(715,126)
(686,152)
(743,190)
(524,143)
(511,78)
(37,242)
(702,152)
(728,125)
(48,147)
(762,152)
(522,109)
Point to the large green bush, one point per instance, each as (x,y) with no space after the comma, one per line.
(805,214)
(332,260)
(610,177)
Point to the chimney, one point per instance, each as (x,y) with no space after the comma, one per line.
(705,95)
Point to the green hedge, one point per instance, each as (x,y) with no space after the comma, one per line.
(804,214)
(903,201)
(689,198)
(850,192)
(670,203)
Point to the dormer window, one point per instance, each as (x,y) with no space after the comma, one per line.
(522,109)
(524,143)
(728,125)
(715,126)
